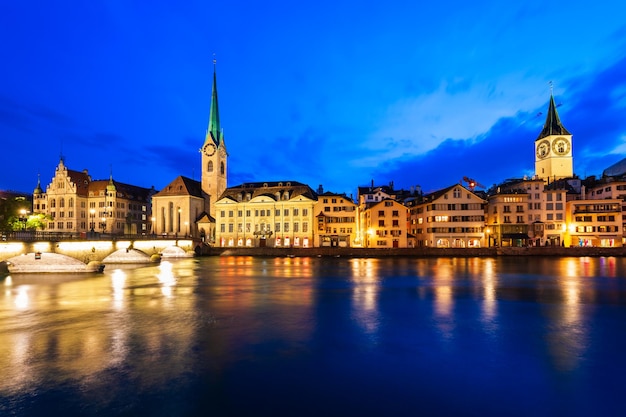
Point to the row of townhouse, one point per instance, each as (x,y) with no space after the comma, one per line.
(525,212)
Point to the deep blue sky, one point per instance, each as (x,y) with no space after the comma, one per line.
(328,92)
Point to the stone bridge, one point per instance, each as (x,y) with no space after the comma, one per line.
(92,248)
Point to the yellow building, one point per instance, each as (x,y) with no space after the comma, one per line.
(279,214)
(336,224)
(449,218)
(384,225)
(78,204)
(594,223)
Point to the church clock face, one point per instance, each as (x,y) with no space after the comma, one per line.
(209,149)
(561,146)
(543,149)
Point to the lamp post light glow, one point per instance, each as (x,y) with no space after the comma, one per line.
(23,218)
(92,213)
(153,219)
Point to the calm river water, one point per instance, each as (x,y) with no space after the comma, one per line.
(243,336)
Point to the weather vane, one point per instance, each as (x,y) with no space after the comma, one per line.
(551,87)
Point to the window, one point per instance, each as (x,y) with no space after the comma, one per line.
(286,227)
(210,166)
(230,227)
(457,193)
(296,227)
(305,212)
(286,213)
(381,213)
(277,227)
(305,227)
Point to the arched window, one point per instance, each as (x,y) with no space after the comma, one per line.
(222,168)
(210,166)
(61,202)
(53,203)
(71,202)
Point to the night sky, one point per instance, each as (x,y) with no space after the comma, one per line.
(337,93)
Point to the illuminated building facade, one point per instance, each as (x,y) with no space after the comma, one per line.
(594,223)
(336,221)
(384,224)
(453,217)
(77,204)
(277,214)
(178,210)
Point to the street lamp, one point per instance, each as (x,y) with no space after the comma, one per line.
(23,218)
(92,213)
(488,231)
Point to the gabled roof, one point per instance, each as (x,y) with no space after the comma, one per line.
(439,193)
(182,186)
(275,190)
(553,125)
(82,181)
(129,192)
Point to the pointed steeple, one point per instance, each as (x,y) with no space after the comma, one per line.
(214,131)
(553,125)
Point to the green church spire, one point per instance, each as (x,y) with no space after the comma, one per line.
(214,131)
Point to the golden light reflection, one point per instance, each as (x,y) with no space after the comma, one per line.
(444,276)
(166,278)
(568,339)
(118,281)
(365,293)
(22,300)
(489,291)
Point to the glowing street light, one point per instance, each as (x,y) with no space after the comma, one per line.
(92,213)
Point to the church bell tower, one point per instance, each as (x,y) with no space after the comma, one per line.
(553,148)
(214,155)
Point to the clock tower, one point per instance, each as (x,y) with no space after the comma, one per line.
(214,155)
(553,148)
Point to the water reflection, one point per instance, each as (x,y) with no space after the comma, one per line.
(366,280)
(305,325)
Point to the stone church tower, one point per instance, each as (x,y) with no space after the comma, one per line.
(553,148)
(214,155)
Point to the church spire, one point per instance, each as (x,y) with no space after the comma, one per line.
(214,131)
(553,125)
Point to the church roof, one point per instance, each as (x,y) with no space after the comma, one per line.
(127,191)
(182,186)
(553,125)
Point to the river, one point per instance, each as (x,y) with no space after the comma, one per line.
(252,336)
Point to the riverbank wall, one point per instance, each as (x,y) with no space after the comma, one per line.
(417,252)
